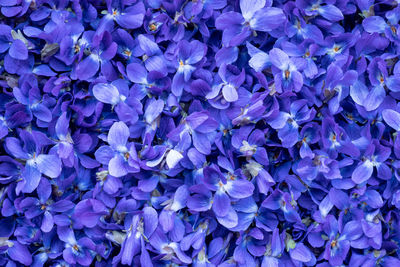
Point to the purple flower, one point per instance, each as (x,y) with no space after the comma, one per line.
(231,80)
(288,123)
(117,94)
(375,156)
(284,202)
(44,207)
(340,237)
(130,17)
(286,72)
(188,56)
(37,164)
(256,15)
(80,251)
(99,53)
(326,10)
(120,156)
(142,227)
(225,187)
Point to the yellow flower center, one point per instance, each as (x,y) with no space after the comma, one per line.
(287,73)
(152,27)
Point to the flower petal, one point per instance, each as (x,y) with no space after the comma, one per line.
(363,172)
(106,93)
(118,135)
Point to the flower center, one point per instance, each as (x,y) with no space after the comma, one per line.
(287,74)
(127,53)
(77,48)
(152,27)
(336,49)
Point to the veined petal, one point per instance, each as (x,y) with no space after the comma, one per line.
(259,61)
(221,204)
(13,145)
(130,21)
(363,172)
(330,12)
(20,253)
(359,92)
(300,253)
(173,158)
(279,59)
(18,50)
(249,7)
(230,219)
(392,118)
(267,19)
(117,166)
(153,110)
(32,178)
(239,188)
(136,73)
(229,92)
(374,98)
(49,165)
(118,135)
(374,24)
(88,67)
(226,20)
(106,93)
(47,222)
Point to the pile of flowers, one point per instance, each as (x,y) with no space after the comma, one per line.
(199,133)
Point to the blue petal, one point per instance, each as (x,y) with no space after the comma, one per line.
(259,61)
(267,19)
(49,165)
(32,178)
(300,253)
(136,73)
(117,166)
(118,135)
(106,93)
(392,118)
(393,83)
(20,253)
(230,93)
(18,50)
(230,219)
(130,21)
(330,12)
(221,204)
(47,222)
(374,24)
(249,7)
(363,172)
(375,98)
(42,113)
(88,67)
(279,59)
(44,70)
